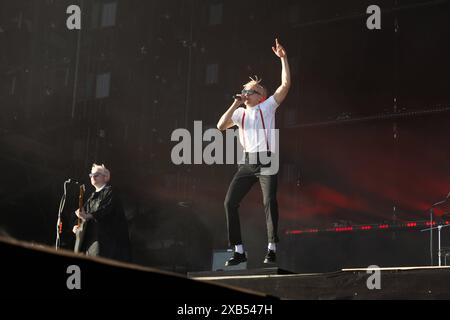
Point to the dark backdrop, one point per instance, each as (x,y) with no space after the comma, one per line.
(364,130)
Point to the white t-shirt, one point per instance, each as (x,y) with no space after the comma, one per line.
(252,136)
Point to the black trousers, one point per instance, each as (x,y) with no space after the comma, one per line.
(246,176)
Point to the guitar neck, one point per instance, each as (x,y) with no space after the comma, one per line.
(80,202)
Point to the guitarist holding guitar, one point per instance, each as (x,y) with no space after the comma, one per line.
(102,229)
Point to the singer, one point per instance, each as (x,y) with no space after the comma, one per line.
(258,116)
(106,229)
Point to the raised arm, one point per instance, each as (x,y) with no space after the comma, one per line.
(282,91)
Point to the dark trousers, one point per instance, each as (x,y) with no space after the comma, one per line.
(246,176)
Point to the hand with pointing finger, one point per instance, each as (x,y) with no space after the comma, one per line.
(279,50)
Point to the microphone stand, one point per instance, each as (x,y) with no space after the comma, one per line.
(59,221)
(439,227)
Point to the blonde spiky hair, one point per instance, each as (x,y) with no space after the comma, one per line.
(255,81)
(102,169)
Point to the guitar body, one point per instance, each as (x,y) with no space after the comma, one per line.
(81,231)
(82,225)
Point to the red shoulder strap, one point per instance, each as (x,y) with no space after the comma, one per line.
(264,127)
(242,128)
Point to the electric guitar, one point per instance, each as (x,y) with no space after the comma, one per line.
(81,230)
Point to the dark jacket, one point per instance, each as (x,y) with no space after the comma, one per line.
(109,226)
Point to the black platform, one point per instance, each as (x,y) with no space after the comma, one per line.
(231,273)
(35,271)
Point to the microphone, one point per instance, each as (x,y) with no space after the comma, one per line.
(237,96)
(73,181)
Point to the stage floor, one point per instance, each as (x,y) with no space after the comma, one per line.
(419,282)
(27,269)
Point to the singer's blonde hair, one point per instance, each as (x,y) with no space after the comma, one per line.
(102,169)
(255,82)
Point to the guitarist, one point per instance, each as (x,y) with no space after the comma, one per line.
(104,224)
